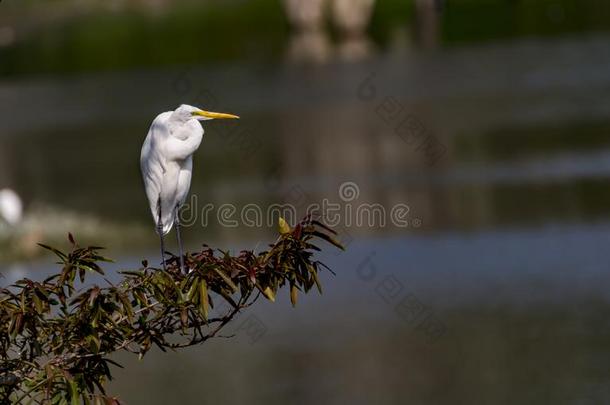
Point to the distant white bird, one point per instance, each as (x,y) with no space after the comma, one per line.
(166,161)
(11,208)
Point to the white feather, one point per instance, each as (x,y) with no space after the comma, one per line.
(166,163)
(11,208)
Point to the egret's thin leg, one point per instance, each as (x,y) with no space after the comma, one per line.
(160,231)
(181,252)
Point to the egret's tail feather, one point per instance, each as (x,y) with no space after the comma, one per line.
(167,227)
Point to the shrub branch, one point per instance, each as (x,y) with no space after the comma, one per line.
(57,336)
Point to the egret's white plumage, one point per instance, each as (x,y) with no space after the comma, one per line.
(11,208)
(166,160)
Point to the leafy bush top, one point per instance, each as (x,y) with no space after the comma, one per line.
(56,335)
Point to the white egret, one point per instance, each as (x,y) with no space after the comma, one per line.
(166,162)
(11,208)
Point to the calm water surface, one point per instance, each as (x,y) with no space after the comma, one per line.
(506,248)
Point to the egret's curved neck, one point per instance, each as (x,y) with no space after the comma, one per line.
(184,129)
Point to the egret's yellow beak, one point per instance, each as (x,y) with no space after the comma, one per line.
(214,115)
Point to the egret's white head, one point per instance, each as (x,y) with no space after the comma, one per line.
(187,112)
(11,208)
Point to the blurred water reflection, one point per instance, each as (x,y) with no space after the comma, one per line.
(514,214)
(532,130)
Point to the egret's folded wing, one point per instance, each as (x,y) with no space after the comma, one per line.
(152,162)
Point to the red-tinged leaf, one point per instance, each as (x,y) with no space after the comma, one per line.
(184,317)
(95,292)
(298,230)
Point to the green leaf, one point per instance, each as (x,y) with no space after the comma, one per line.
(226,279)
(203,299)
(37,303)
(228,298)
(53,321)
(72,388)
(267,292)
(192,291)
(126,306)
(329,239)
(131,273)
(323,226)
(59,253)
(314,275)
(94,343)
(283,226)
(294,291)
